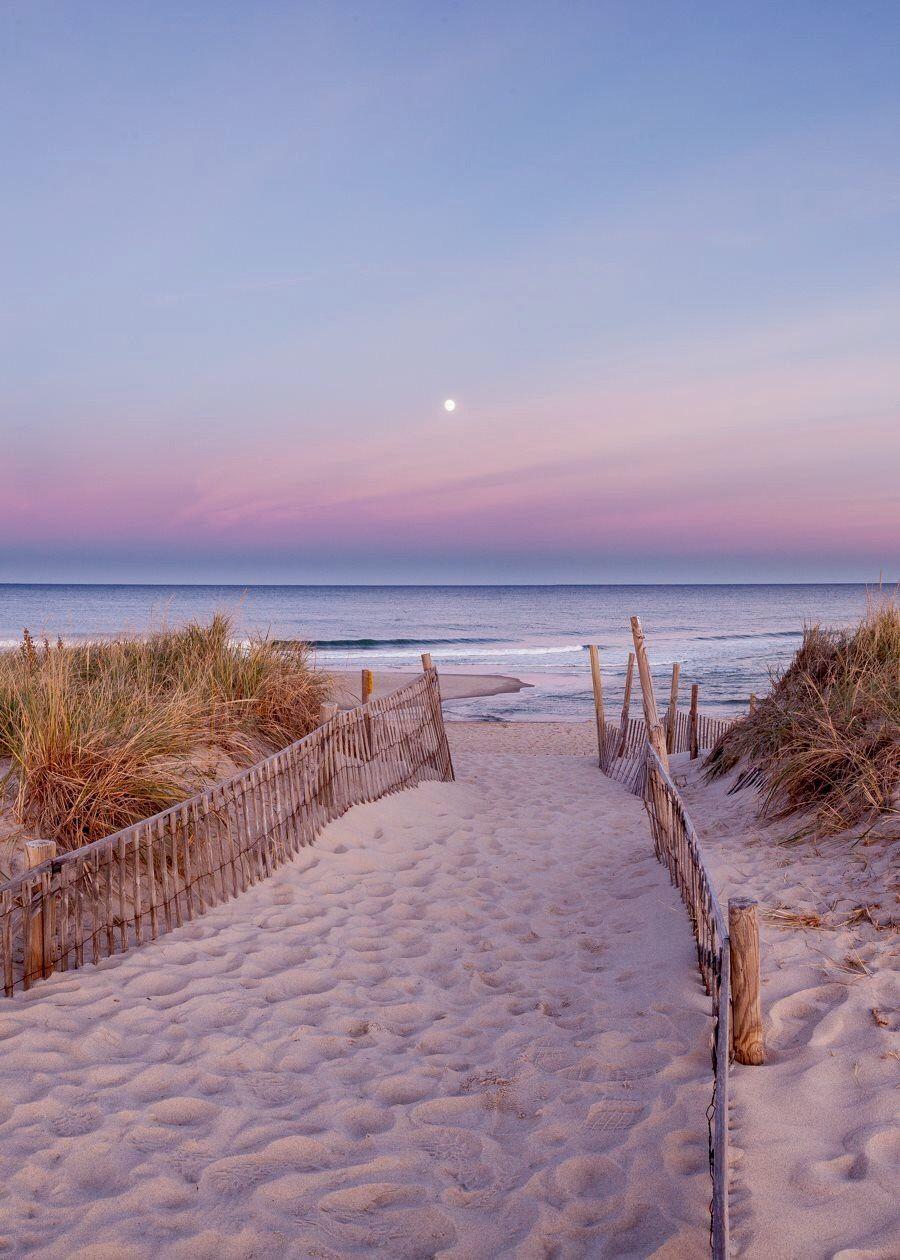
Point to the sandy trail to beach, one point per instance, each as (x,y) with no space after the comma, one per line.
(466,1023)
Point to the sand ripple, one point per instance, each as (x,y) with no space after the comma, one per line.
(467,1023)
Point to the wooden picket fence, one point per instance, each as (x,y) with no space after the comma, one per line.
(623,754)
(129,888)
(677,846)
(708,729)
(627,754)
(623,751)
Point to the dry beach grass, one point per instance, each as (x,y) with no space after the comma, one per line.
(827,737)
(100,735)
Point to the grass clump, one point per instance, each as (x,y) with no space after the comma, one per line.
(101,735)
(827,737)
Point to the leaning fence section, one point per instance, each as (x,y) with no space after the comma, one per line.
(623,748)
(129,888)
(706,729)
(623,754)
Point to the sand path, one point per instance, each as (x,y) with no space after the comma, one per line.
(466,1023)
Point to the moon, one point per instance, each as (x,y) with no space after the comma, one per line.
(449,405)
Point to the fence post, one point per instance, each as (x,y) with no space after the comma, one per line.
(746,1009)
(37,960)
(655,732)
(368,685)
(426,661)
(597,683)
(673,706)
(752,704)
(626,702)
(695,733)
(326,713)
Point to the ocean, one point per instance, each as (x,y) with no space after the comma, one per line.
(728,638)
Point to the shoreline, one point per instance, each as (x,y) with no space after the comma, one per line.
(462,686)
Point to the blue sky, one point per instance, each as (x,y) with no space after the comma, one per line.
(652,249)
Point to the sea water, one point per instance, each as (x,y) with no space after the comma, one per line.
(729,639)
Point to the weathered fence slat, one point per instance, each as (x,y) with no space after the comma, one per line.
(172,867)
(636,755)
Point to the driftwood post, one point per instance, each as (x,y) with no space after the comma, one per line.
(695,733)
(746,1008)
(626,702)
(426,661)
(38,961)
(673,708)
(597,683)
(655,733)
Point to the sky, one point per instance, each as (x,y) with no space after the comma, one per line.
(651,249)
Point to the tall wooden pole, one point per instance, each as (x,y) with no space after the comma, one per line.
(626,701)
(655,733)
(426,661)
(38,956)
(368,683)
(746,1008)
(673,706)
(695,725)
(597,682)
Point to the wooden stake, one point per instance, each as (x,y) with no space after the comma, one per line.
(426,661)
(752,704)
(746,1009)
(626,701)
(38,961)
(326,713)
(655,733)
(597,682)
(695,733)
(673,708)
(368,682)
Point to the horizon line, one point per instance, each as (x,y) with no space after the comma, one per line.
(879,583)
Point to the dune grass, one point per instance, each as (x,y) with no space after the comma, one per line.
(827,737)
(101,735)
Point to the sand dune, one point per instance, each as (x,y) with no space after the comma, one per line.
(815,1133)
(467,1023)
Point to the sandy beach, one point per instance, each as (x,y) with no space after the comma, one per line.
(467,1022)
(815,1139)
